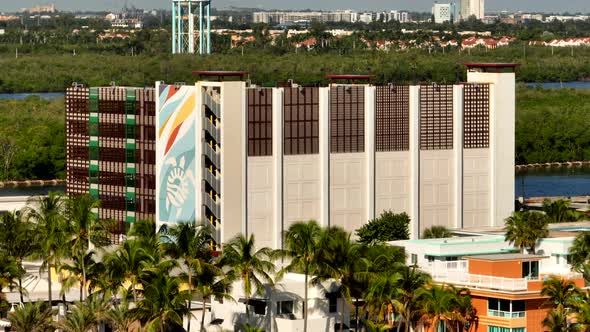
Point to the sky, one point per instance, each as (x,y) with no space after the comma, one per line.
(415,5)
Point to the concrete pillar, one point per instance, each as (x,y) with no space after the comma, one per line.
(277,153)
(324,109)
(415,161)
(370,95)
(458,153)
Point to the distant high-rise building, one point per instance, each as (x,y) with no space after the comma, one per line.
(442,12)
(472,8)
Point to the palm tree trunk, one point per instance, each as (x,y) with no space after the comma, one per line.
(83,293)
(342,316)
(49,284)
(305,301)
(203,316)
(20,288)
(190,291)
(247,309)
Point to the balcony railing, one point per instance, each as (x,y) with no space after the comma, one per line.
(211,129)
(212,101)
(457,272)
(211,204)
(506,314)
(212,154)
(213,180)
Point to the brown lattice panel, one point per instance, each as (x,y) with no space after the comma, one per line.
(77,161)
(259,122)
(476,117)
(392,132)
(347,119)
(436,117)
(301,121)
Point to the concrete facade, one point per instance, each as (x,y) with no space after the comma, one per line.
(343,154)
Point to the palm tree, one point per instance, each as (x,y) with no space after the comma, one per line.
(561,293)
(31,317)
(47,212)
(383,292)
(559,211)
(17,240)
(525,228)
(145,232)
(581,306)
(82,262)
(580,251)
(302,246)
(163,304)
(253,267)
(210,285)
(120,316)
(84,228)
(78,320)
(436,304)
(342,260)
(9,272)
(128,262)
(191,244)
(411,282)
(462,310)
(556,321)
(436,232)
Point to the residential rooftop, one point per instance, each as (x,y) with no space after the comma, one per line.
(507,257)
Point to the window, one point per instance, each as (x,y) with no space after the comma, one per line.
(414,259)
(332,302)
(429,258)
(436,117)
(392,119)
(259,122)
(259,307)
(347,119)
(301,121)
(505,329)
(506,308)
(530,270)
(284,307)
(568,259)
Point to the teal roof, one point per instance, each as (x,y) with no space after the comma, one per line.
(459,240)
(474,253)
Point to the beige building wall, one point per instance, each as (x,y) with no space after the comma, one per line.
(502,142)
(260,200)
(392,182)
(476,188)
(301,187)
(436,189)
(233,160)
(347,190)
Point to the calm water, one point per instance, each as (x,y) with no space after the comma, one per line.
(557,85)
(20,96)
(29,191)
(558,181)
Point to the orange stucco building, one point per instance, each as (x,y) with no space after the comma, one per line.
(505,290)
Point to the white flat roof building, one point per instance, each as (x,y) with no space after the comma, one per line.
(442,12)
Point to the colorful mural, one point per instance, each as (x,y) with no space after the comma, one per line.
(176,162)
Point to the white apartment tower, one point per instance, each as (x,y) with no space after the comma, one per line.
(442,13)
(472,8)
(254,160)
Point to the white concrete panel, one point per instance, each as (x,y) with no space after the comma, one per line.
(393,175)
(476,188)
(436,189)
(347,190)
(301,185)
(260,200)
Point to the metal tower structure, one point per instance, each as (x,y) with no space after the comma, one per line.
(191,23)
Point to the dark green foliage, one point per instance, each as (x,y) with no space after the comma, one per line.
(559,211)
(388,227)
(436,232)
(524,228)
(32,141)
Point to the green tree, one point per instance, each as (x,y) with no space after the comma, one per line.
(250,265)
(411,282)
(127,263)
(77,271)
(579,252)
(47,212)
(525,228)
(436,232)
(342,260)
(436,306)
(388,227)
(191,243)
(9,272)
(17,240)
(163,304)
(31,317)
(556,321)
(120,316)
(302,246)
(559,211)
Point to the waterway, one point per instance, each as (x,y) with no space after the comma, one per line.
(21,96)
(553,181)
(30,191)
(558,85)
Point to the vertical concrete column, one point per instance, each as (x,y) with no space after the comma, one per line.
(157,147)
(277,154)
(370,95)
(458,153)
(502,141)
(324,109)
(199,137)
(415,161)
